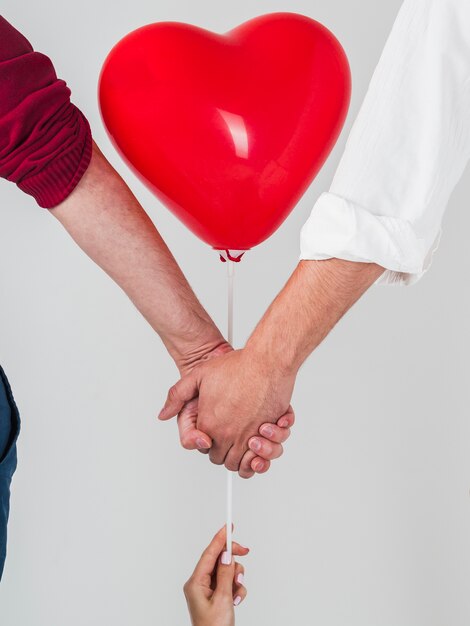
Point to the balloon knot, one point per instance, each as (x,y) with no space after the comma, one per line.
(231,255)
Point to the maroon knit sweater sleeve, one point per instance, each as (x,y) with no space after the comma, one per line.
(45,141)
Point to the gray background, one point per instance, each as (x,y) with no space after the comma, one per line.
(365,520)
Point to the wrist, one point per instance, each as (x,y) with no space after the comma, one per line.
(274,361)
(202,350)
(316,296)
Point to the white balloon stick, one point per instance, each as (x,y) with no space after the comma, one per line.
(229,494)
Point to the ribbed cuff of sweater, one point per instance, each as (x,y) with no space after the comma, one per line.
(53,184)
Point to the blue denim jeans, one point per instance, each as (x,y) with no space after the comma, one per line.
(9,431)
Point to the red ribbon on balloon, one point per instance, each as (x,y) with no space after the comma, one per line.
(227,130)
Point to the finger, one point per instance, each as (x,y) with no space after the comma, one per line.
(245,470)
(190,437)
(183,391)
(260,466)
(238,589)
(265,449)
(252,464)
(233,458)
(239,550)
(208,561)
(288,419)
(239,577)
(274,433)
(218,452)
(240,596)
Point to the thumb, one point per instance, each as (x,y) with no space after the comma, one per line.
(183,391)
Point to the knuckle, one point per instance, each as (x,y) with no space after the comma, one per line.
(278,435)
(204,423)
(186,443)
(216,460)
(232,465)
(224,600)
(263,468)
(266,449)
(173,392)
(187,587)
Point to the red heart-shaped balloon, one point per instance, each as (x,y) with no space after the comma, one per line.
(228,130)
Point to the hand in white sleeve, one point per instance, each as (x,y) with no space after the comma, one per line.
(406,151)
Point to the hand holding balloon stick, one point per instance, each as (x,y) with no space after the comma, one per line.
(227,130)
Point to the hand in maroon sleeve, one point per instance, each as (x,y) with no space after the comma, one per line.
(45,141)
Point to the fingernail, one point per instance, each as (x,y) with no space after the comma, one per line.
(283,423)
(267,431)
(258,466)
(237,601)
(255,444)
(201,443)
(240,579)
(225,558)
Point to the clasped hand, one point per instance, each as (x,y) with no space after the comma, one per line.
(235,408)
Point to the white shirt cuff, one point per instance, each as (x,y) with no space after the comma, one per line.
(338,228)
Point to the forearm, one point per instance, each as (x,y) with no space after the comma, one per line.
(108,223)
(314,299)
(45,148)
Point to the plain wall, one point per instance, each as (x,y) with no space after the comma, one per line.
(365,521)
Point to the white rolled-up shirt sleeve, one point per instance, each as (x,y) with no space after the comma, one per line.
(406,151)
